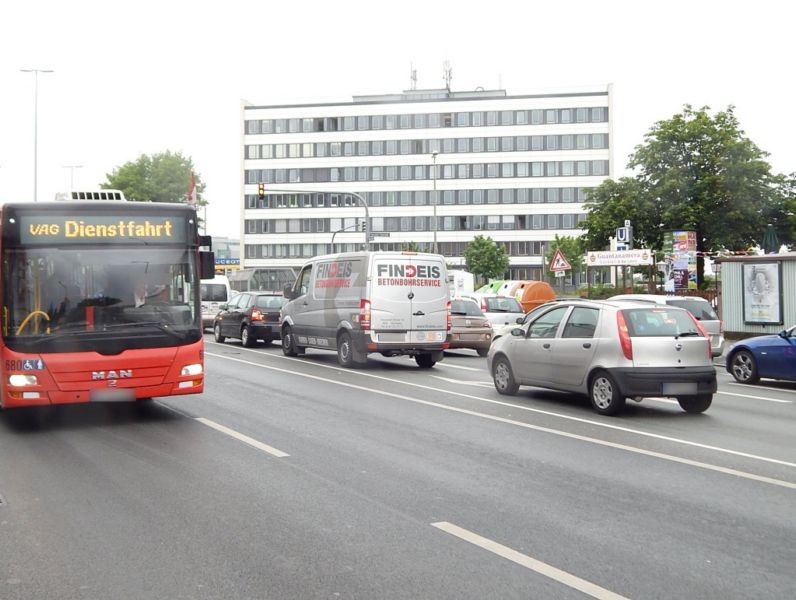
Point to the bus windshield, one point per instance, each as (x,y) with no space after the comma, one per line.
(102,299)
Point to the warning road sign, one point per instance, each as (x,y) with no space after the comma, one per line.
(559,262)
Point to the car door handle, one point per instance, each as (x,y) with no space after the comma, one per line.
(587,344)
(546,345)
(419,313)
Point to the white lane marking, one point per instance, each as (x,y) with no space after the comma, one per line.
(524,425)
(243,438)
(759,387)
(536,410)
(460,382)
(755,397)
(443,365)
(664,400)
(569,580)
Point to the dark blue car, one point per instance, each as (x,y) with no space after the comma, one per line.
(770,356)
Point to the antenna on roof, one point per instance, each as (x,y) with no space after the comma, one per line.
(447,74)
(412,77)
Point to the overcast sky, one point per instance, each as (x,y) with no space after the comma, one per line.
(142,77)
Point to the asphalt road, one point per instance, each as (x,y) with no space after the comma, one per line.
(293,478)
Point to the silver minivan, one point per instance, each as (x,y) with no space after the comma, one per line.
(610,351)
(355,303)
(699,307)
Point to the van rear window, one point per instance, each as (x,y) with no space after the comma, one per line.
(213,292)
(659,322)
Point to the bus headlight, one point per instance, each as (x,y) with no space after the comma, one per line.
(191,370)
(22,380)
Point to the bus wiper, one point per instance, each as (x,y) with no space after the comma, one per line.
(162,326)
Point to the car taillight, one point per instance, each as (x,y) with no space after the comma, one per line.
(450,317)
(256,315)
(483,305)
(704,333)
(624,336)
(721,327)
(364,314)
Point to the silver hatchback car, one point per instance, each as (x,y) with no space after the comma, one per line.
(609,351)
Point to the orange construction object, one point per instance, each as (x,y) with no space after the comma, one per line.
(533,293)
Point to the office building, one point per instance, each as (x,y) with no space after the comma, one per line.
(516,168)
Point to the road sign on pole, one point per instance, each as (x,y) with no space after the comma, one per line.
(559,262)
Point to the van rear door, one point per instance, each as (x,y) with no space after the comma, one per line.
(409,293)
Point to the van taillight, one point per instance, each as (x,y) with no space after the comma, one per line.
(256,315)
(450,317)
(624,336)
(364,314)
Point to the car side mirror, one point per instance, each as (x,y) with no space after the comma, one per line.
(288,292)
(517,332)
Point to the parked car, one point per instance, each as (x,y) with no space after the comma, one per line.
(249,316)
(699,307)
(500,310)
(213,292)
(768,356)
(609,351)
(470,328)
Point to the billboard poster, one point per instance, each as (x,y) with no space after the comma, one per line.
(681,250)
(762,293)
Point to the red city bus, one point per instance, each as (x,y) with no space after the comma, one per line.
(100,302)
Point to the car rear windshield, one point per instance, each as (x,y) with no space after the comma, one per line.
(466,307)
(701,309)
(659,322)
(504,304)
(274,302)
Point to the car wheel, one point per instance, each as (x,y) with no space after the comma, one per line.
(503,377)
(217,333)
(696,404)
(604,394)
(482,351)
(289,347)
(246,337)
(425,361)
(744,367)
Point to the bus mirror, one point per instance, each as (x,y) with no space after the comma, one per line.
(207,241)
(207,265)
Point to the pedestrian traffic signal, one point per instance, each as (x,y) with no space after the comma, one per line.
(261,191)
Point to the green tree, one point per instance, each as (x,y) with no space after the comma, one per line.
(485,259)
(571,248)
(411,247)
(693,172)
(163,177)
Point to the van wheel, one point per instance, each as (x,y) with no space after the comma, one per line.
(696,404)
(217,333)
(347,355)
(604,394)
(289,347)
(425,361)
(246,337)
(503,377)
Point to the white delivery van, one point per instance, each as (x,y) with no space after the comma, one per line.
(394,303)
(214,292)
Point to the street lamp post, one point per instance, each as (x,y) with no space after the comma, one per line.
(72,175)
(36,127)
(434,178)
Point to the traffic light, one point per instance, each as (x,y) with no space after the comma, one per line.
(261,191)
(363,225)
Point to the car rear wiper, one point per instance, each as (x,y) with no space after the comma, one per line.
(687,334)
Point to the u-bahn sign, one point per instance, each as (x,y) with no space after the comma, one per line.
(623,258)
